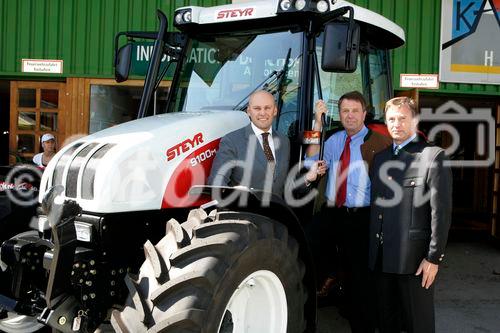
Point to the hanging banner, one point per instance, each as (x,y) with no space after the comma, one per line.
(470,41)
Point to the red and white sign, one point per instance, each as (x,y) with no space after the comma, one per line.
(234,14)
(424,81)
(184,146)
(194,169)
(42,66)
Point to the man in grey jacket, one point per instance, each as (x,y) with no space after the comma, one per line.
(255,156)
(410,219)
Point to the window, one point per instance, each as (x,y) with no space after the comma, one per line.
(111,105)
(378,88)
(220,73)
(370,78)
(334,85)
(36,108)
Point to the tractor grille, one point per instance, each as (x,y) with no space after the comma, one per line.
(80,159)
(74,169)
(61,164)
(89,172)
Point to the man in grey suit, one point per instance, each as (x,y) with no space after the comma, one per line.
(255,156)
(409,223)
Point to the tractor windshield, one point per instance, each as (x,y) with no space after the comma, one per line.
(219,73)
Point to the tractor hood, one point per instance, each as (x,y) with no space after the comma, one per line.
(145,164)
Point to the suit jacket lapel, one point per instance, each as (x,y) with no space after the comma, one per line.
(278,151)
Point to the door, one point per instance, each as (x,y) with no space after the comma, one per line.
(36,108)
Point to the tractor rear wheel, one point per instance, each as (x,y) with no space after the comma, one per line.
(226,272)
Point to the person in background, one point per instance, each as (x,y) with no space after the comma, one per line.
(49,150)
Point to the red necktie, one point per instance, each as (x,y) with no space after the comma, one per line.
(342,173)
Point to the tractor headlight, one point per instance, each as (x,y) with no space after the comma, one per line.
(300,4)
(285,5)
(322,6)
(290,6)
(183,17)
(187,16)
(178,18)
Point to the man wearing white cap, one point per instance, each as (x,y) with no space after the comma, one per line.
(49,150)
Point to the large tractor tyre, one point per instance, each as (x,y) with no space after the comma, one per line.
(227,272)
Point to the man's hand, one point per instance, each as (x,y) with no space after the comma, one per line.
(317,169)
(320,107)
(428,271)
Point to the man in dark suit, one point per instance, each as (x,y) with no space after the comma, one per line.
(255,156)
(410,219)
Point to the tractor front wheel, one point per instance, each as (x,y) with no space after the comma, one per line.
(227,272)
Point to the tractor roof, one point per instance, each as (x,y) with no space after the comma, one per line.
(381,31)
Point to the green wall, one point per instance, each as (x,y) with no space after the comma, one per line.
(421,21)
(80,32)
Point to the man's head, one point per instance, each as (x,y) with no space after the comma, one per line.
(48,142)
(262,109)
(401,117)
(352,110)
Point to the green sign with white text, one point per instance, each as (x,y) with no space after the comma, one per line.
(141,54)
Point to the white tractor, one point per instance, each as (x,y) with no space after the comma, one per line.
(115,197)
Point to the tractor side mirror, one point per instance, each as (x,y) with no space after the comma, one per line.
(122,62)
(340,47)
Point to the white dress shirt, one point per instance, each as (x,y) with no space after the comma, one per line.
(258,133)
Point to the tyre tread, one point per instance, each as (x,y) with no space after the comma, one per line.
(192,261)
(190,320)
(156,261)
(191,279)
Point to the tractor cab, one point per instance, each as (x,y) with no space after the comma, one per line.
(299,51)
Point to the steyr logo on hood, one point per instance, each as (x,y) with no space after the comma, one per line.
(184,146)
(227,13)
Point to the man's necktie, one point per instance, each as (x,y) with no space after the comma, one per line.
(342,173)
(267,149)
(397,149)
